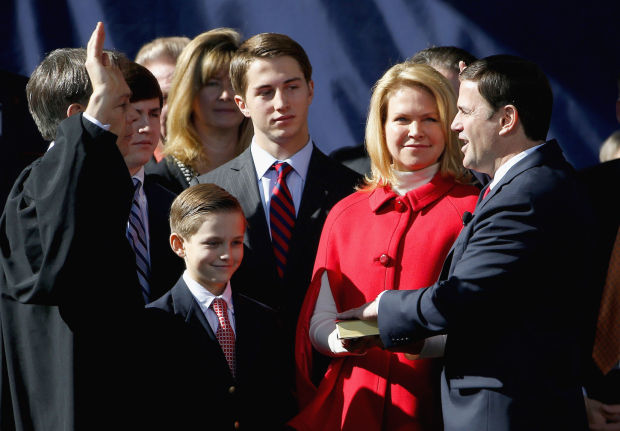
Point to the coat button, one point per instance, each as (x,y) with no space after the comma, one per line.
(400,206)
(384,260)
(237,425)
(231,390)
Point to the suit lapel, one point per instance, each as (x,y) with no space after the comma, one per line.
(315,188)
(245,186)
(549,151)
(186,306)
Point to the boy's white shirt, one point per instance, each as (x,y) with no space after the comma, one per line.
(204,298)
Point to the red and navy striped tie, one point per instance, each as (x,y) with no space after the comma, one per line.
(281,215)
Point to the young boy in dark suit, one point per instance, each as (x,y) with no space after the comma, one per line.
(219,348)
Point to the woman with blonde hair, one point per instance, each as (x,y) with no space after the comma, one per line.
(205,127)
(393,233)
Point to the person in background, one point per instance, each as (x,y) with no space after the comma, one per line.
(160,56)
(394,233)
(205,127)
(602,387)
(446,60)
(610,149)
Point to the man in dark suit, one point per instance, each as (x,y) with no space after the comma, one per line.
(511,296)
(146,97)
(272,79)
(603,389)
(71,306)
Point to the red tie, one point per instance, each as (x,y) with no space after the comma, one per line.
(225,334)
(486,192)
(281,216)
(606,352)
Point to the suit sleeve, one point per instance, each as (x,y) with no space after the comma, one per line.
(495,259)
(74,196)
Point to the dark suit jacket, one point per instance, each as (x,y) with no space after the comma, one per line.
(167,173)
(602,184)
(192,380)
(514,302)
(166,266)
(70,305)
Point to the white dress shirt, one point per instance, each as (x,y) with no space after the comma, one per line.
(267,177)
(204,298)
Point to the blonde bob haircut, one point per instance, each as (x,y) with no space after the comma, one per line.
(409,74)
(204,57)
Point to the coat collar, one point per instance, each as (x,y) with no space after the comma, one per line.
(418,198)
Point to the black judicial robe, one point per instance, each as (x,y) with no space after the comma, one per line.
(70,302)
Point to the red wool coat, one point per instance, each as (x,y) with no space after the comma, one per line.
(373,241)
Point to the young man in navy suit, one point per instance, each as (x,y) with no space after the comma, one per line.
(216,350)
(513,295)
(272,79)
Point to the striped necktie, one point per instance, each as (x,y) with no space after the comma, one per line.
(281,216)
(225,334)
(136,233)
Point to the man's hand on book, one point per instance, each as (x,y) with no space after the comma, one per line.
(368,311)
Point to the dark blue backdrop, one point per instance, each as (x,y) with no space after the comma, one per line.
(350,44)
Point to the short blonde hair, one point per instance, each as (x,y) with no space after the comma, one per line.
(203,58)
(162,49)
(408,74)
(189,208)
(610,149)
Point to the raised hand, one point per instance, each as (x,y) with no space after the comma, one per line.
(109,101)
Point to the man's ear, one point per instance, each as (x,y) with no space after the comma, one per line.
(242,106)
(508,120)
(176,243)
(311,90)
(75,108)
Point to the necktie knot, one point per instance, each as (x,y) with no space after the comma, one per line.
(225,334)
(221,309)
(282,169)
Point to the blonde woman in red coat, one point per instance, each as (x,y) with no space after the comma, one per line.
(394,233)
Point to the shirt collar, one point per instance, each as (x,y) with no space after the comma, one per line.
(503,169)
(139,175)
(298,161)
(203,296)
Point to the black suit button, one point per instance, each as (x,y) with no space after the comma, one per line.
(231,390)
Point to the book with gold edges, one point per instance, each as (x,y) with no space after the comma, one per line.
(356,328)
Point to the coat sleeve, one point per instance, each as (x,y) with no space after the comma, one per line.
(54,212)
